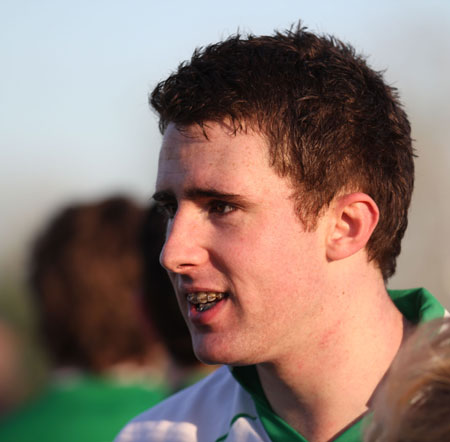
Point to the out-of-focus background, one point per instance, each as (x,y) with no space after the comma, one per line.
(75,125)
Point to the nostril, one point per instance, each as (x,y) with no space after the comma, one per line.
(177,256)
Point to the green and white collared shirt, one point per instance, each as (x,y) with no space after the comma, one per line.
(230,405)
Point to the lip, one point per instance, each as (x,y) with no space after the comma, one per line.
(186,289)
(206,317)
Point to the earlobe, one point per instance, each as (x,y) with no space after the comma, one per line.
(354,218)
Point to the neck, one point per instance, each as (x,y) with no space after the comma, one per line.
(325,386)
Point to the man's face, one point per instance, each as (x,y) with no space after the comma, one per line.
(245,271)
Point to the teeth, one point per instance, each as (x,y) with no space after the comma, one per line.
(204,297)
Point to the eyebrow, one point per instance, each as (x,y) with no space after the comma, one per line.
(196,193)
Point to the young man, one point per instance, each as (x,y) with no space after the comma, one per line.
(286,171)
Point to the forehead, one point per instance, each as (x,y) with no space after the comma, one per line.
(219,138)
(215,155)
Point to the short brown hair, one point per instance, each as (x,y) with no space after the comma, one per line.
(331,122)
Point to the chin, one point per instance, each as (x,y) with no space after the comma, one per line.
(216,355)
(211,357)
(215,348)
(212,351)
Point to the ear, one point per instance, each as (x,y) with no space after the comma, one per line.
(353,219)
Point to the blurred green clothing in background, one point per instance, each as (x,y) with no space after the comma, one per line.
(80,408)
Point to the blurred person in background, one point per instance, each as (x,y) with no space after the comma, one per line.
(413,404)
(9,363)
(108,361)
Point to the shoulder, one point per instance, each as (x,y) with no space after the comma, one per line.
(207,411)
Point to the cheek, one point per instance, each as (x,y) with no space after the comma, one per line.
(254,263)
(273,251)
(285,263)
(239,253)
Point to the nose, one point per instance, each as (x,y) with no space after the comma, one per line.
(183,250)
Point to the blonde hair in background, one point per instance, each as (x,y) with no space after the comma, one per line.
(413,404)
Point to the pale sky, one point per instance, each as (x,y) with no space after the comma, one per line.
(74,120)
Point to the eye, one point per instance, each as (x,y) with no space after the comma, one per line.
(221,207)
(167,208)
